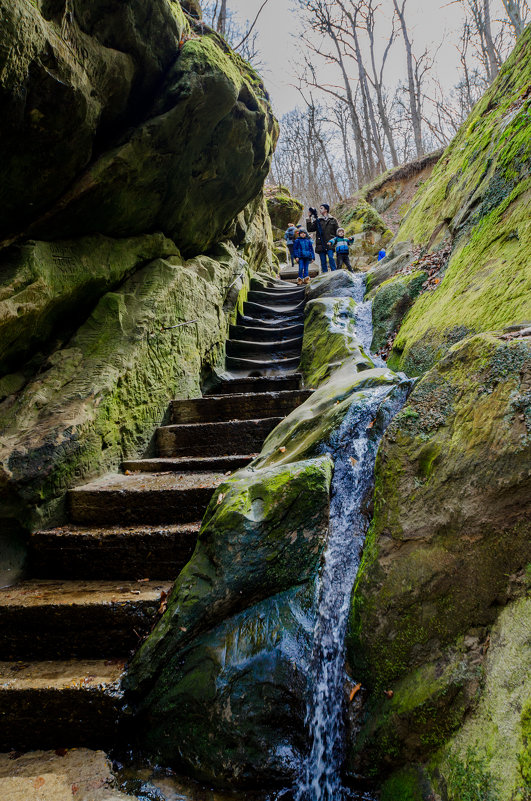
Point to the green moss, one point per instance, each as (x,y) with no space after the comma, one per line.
(330,339)
(480,190)
(402,786)
(391,302)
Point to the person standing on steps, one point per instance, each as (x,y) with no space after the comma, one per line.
(340,244)
(325,227)
(304,253)
(290,236)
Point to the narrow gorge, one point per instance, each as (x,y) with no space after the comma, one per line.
(259,540)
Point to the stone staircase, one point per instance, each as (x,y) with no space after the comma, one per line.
(98,584)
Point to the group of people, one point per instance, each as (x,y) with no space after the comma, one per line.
(330,241)
(331,244)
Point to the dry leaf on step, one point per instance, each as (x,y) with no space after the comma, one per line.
(282,449)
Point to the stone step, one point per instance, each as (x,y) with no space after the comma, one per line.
(43,619)
(258,385)
(239,364)
(278,291)
(266,334)
(272,311)
(287,297)
(217,439)
(241,407)
(60,704)
(251,349)
(147,497)
(290,273)
(271,324)
(112,552)
(188,464)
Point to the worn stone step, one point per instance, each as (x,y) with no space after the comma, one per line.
(257,384)
(241,407)
(60,704)
(272,311)
(274,285)
(112,552)
(287,297)
(291,273)
(227,437)
(240,364)
(187,464)
(45,619)
(250,349)
(271,323)
(266,334)
(146,497)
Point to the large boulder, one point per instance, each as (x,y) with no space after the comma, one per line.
(282,207)
(478,199)
(143,125)
(447,549)
(222,678)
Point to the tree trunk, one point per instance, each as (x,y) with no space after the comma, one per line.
(489,42)
(415,110)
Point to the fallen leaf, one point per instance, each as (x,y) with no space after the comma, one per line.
(183,628)
(39,781)
(371,424)
(282,449)
(75,789)
(389,693)
(228,473)
(220,498)
(127,472)
(355,690)
(353,461)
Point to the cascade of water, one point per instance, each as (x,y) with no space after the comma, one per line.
(353,448)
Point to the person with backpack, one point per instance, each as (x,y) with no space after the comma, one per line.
(304,253)
(325,227)
(340,244)
(290,236)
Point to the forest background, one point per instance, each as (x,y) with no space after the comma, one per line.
(361,86)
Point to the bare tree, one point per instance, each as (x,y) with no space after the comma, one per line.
(519,14)
(415,109)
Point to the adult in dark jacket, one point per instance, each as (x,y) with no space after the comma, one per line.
(303,253)
(325,227)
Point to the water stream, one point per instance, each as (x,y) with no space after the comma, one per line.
(353,448)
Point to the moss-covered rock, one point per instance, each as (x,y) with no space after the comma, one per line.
(449,541)
(165,130)
(391,301)
(283,208)
(478,194)
(490,756)
(97,399)
(305,431)
(71,76)
(47,287)
(227,707)
(330,339)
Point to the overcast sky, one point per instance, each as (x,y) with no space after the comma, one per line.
(280,24)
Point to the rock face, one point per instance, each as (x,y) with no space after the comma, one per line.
(391,301)
(231,654)
(447,548)
(282,207)
(478,198)
(132,143)
(166,130)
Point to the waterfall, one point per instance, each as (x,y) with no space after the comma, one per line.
(353,448)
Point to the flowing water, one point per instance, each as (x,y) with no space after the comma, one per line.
(353,448)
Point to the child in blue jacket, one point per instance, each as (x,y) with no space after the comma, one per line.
(340,244)
(303,253)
